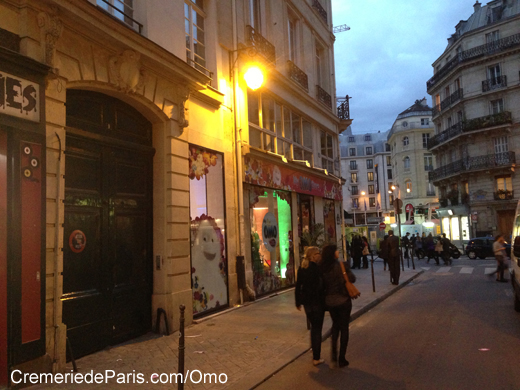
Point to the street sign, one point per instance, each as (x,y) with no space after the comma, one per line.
(382,226)
(474,218)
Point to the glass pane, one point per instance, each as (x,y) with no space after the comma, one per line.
(255,137)
(323,145)
(199,49)
(268,142)
(208,240)
(187,26)
(186,10)
(298,153)
(287,150)
(296,128)
(188,40)
(307,133)
(267,113)
(197,19)
(278,119)
(252,108)
(329,146)
(455,233)
(308,156)
(287,123)
(198,35)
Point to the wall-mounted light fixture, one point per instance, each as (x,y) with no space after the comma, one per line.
(254,77)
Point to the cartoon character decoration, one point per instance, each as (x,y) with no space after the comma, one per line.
(209,265)
(199,162)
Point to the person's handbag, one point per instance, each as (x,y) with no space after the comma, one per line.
(365,251)
(352,290)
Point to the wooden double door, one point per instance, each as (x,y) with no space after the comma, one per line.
(107,266)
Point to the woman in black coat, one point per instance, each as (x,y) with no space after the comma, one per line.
(309,293)
(337,301)
(356,248)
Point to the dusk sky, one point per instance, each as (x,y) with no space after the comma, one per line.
(385,59)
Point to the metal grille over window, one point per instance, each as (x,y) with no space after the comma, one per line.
(298,75)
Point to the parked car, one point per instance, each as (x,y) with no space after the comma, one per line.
(454,251)
(515,259)
(482,247)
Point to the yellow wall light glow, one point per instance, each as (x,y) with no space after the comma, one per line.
(254,77)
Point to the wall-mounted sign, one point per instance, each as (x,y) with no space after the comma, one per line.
(270,231)
(19,97)
(77,241)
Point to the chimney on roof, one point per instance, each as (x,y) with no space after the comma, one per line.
(424,102)
(476,6)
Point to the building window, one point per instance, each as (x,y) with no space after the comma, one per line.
(327,151)
(353,165)
(368,138)
(371,202)
(406,162)
(368,150)
(370,164)
(371,189)
(501,145)
(408,187)
(388,161)
(497,106)
(493,74)
(425,121)
(425,139)
(121,9)
(387,148)
(370,176)
(319,65)
(460,116)
(292,28)
(354,190)
(353,177)
(355,203)
(504,183)
(406,141)
(194,32)
(277,129)
(254,15)
(492,36)
(428,163)
(431,189)
(389,174)
(352,152)
(351,139)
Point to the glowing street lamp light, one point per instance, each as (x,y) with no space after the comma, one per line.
(254,77)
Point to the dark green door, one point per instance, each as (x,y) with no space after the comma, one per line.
(107,239)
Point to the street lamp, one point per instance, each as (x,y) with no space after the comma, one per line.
(254,77)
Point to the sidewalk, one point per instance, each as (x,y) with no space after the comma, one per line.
(248,344)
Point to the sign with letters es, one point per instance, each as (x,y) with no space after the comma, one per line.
(19,97)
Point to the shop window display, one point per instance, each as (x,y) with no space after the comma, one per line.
(329,219)
(208,243)
(271,239)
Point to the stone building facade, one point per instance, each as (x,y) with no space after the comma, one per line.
(412,163)
(476,95)
(134,160)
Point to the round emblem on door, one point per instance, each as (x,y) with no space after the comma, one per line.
(77,241)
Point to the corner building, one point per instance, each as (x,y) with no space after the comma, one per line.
(476,96)
(129,163)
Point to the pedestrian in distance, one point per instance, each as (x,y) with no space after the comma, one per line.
(337,302)
(393,257)
(438,250)
(429,247)
(309,293)
(383,250)
(418,244)
(412,243)
(365,252)
(406,244)
(499,250)
(446,247)
(356,248)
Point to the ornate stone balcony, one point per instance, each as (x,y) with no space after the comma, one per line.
(470,125)
(472,164)
(262,45)
(298,75)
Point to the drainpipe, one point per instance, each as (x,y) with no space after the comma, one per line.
(238,143)
(56,258)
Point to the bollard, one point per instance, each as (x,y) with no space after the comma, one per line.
(372,266)
(411,253)
(402,261)
(180,369)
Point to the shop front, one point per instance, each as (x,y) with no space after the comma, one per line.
(455,223)
(22,213)
(288,210)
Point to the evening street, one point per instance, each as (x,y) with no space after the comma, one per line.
(451,328)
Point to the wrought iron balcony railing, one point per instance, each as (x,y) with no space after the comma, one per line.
(494,83)
(353,181)
(454,97)
(298,75)
(469,164)
(503,195)
(323,96)
(469,126)
(344,108)
(262,45)
(319,8)
(436,110)
(126,15)
(428,168)
(430,193)
(353,167)
(476,52)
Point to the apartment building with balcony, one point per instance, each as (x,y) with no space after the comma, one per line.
(476,95)
(367,169)
(412,162)
(137,166)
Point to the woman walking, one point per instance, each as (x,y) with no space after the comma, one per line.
(309,293)
(337,301)
(500,255)
(365,252)
(356,248)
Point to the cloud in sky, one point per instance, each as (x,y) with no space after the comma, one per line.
(385,59)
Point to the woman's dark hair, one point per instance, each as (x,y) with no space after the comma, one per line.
(328,258)
(364,239)
(386,236)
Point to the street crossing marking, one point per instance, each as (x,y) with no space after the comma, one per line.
(489,270)
(444,269)
(426,268)
(466,270)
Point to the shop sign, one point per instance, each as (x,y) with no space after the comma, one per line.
(19,97)
(382,226)
(77,241)
(409,208)
(270,231)
(374,220)
(474,218)
(266,174)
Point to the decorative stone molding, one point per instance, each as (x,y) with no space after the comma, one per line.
(126,71)
(51,28)
(182,95)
